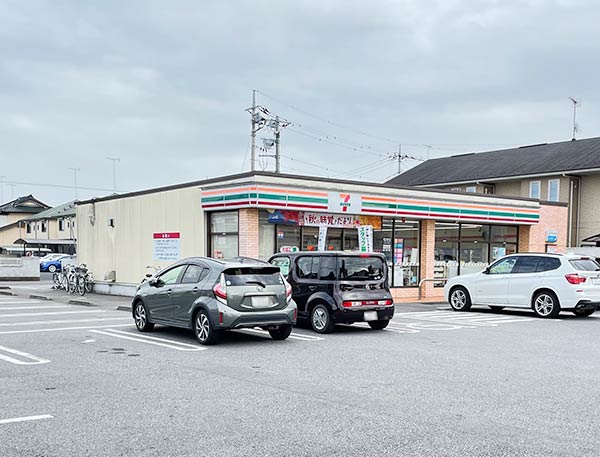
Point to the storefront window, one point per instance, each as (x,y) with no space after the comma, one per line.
(504,241)
(334,239)
(474,247)
(446,251)
(224,235)
(310,238)
(405,252)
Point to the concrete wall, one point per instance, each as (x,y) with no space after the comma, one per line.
(127,248)
(19,268)
(510,188)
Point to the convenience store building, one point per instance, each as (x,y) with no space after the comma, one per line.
(426,235)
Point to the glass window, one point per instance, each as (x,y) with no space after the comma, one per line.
(43,226)
(406,254)
(266,236)
(553,190)
(288,236)
(446,251)
(283,263)
(504,234)
(170,276)
(471,189)
(502,267)
(328,268)
(61,225)
(310,238)
(474,248)
(304,268)
(527,264)
(267,276)
(224,235)
(194,274)
(334,239)
(584,265)
(534,189)
(351,239)
(28,227)
(548,263)
(361,268)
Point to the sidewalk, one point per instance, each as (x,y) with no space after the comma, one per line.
(42,290)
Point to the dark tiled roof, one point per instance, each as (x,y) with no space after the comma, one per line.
(567,156)
(27,204)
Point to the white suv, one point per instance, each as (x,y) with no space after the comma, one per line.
(546,283)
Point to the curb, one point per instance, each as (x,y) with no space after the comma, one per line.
(40,297)
(4,287)
(4,292)
(123,308)
(81,302)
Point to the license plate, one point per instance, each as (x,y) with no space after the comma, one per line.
(370,316)
(261,302)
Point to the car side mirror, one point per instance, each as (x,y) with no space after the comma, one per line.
(155,282)
(486,271)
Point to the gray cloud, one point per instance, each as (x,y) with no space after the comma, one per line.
(164,86)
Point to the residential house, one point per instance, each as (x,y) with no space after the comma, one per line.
(13,212)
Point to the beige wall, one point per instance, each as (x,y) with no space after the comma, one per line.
(589,222)
(127,248)
(510,188)
(8,235)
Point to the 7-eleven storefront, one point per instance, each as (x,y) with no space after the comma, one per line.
(426,235)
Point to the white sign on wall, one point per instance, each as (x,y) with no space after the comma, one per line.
(322,238)
(365,238)
(167,246)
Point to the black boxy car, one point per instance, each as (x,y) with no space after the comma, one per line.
(338,287)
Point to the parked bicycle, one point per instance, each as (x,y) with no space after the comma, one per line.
(74,278)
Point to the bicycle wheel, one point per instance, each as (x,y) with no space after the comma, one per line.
(89,283)
(56,279)
(81,285)
(72,284)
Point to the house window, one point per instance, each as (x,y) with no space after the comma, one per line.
(61,225)
(534,189)
(553,190)
(472,189)
(455,189)
(28,227)
(488,189)
(43,226)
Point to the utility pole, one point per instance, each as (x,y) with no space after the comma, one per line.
(575,126)
(277,155)
(399,159)
(114,161)
(75,170)
(253,132)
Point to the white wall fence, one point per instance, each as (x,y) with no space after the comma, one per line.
(19,268)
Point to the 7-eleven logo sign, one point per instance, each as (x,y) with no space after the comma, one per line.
(344,203)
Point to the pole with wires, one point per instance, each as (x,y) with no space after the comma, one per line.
(253,132)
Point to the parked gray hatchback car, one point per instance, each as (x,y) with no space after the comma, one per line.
(210,296)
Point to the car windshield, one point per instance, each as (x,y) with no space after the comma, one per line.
(585,264)
(250,276)
(361,268)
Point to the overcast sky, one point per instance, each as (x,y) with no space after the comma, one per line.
(163,85)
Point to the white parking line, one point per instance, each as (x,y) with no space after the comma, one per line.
(21,302)
(25,419)
(74,321)
(18,308)
(171,344)
(53,313)
(63,329)
(33,360)
(295,336)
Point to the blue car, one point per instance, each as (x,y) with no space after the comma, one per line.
(51,262)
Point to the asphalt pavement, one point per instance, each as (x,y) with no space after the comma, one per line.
(80,380)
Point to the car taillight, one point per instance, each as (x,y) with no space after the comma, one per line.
(288,290)
(574,278)
(354,304)
(220,293)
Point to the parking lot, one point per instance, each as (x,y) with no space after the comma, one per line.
(82,381)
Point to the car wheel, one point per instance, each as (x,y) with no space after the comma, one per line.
(379,325)
(545,304)
(320,319)
(496,308)
(280,333)
(140,316)
(204,330)
(460,299)
(583,312)
(52,268)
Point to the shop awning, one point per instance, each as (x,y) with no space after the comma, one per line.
(36,242)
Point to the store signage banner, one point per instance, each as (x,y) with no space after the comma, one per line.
(328,220)
(167,246)
(345,203)
(551,236)
(322,238)
(365,238)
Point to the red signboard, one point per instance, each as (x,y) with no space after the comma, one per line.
(166,235)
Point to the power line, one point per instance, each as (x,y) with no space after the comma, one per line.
(61,186)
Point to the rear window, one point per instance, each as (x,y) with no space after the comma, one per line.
(584,264)
(249,276)
(361,268)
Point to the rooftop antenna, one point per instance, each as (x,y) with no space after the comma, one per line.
(576,103)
